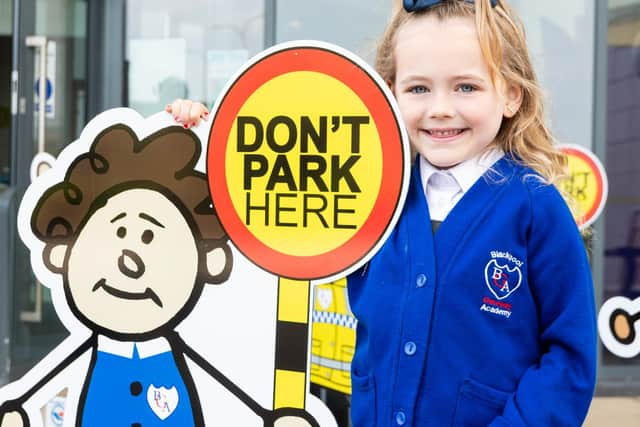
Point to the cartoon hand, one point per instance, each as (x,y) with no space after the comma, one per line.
(290,417)
(12,419)
(287,422)
(619,326)
(187,112)
(12,415)
(622,325)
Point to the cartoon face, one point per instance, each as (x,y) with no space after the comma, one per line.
(450,106)
(134,264)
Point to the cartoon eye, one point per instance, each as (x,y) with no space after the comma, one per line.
(121,232)
(147,236)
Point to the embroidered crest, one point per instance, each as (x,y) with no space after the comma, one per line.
(162,401)
(502,280)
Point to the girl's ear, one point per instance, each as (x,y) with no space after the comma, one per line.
(54,255)
(513,96)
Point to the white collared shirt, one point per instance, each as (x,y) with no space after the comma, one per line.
(445,187)
(125,348)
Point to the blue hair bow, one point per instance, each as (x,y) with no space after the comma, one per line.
(418,5)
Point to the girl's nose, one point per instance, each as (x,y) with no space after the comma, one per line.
(440,106)
(130,264)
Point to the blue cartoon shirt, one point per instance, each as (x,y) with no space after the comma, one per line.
(148,389)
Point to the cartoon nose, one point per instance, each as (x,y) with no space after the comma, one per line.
(130,264)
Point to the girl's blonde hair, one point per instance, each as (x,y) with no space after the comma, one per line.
(504,47)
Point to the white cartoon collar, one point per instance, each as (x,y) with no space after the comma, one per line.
(125,348)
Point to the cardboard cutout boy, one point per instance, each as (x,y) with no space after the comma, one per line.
(133,233)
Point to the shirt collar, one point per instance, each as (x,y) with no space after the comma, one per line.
(125,348)
(465,173)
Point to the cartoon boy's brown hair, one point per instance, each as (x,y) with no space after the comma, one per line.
(118,161)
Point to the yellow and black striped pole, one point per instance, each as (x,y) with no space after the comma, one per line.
(292,337)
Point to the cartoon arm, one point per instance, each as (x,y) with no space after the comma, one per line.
(12,412)
(282,417)
(558,388)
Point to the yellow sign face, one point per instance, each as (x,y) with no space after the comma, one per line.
(307,163)
(586,183)
(311,171)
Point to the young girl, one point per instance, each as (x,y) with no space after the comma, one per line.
(479,308)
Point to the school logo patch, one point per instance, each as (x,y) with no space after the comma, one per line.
(162,401)
(502,277)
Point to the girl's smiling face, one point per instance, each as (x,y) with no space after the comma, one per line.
(444,90)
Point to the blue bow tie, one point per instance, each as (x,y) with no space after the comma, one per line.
(418,5)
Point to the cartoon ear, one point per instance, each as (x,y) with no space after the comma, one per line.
(54,256)
(40,164)
(219,262)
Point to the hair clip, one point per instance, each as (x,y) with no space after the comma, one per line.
(418,5)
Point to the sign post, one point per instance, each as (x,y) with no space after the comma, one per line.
(308,167)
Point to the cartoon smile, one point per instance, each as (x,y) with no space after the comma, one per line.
(147,294)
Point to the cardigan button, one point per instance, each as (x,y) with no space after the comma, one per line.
(401,418)
(421,280)
(410,348)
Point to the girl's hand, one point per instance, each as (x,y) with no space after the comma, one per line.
(187,112)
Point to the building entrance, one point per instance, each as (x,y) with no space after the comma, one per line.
(43,53)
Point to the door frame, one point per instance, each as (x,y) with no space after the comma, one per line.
(15,267)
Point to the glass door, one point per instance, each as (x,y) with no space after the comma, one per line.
(622,221)
(50,70)
(5,90)
(6,195)
(173,51)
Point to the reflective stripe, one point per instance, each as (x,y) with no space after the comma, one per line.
(334,319)
(330,363)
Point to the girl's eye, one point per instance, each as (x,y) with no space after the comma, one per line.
(121,232)
(418,89)
(466,88)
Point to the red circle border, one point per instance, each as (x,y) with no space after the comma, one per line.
(342,68)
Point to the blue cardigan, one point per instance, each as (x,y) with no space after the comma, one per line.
(491,321)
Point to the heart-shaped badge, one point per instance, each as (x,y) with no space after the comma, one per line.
(162,401)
